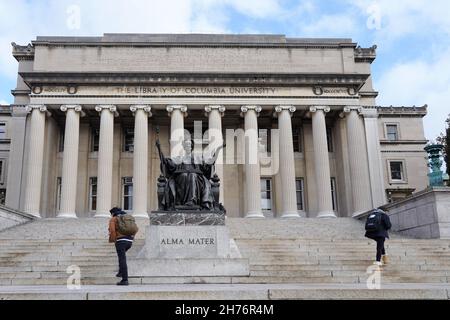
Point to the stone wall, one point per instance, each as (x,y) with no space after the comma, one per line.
(10,218)
(425,215)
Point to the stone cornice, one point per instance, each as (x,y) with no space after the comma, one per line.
(22,52)
(268,79)
(399,111)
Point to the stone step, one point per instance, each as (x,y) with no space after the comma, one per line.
(228,292)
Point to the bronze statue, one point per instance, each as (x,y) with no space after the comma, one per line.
(188,183)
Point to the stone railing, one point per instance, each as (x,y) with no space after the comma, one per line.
(11,218)
(424,215)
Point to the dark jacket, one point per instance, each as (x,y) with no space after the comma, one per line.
(385,226)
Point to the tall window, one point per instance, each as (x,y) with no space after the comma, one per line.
(58,193)
(266,194)
(95,137)
(61,141)
(330,139)
(2,196)
(127,193)
(297,139)
(299,186)
(2,130)
(333,194)
(92,193)
(2,170)
(264,137)
(392,132)
(397,173)
(128,140)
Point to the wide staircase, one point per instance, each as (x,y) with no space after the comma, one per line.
(289,259)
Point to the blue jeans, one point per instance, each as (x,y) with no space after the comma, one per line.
(122,247)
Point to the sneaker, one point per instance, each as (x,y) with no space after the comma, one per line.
(378,263)
(119,275)
(385,259)
(122,283)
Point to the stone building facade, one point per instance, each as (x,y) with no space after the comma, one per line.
(88,110)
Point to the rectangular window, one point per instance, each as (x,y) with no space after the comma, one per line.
(330,139)
(95,137)
(297,139)
(300,194)
(2,196)
(127,193)
(396,168)
(333,194)
(392,132)
(58,193)
(2,130)
(61,141)
(2,170)
(128,140)
(92,193)
(266,194)
(264,138)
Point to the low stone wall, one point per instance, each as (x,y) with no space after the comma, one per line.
(424,215)
(10,218)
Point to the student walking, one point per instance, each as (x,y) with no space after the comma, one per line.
(122,229)
(377,226)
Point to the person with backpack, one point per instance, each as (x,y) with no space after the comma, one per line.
(122,229)
(377,226)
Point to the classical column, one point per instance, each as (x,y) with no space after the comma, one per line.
(215,114)
(35,159)
(357,154)
(140,159)
(252,168)
(105,160)
(16,161)
(70,161)
(287,164)
(374,154)
(177,114)
(322,163)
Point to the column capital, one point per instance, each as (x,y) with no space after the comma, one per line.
(325,109)
(182,108)
(220,108)
(145,107)
(369,113)
(75,107)
(246,108)
(279,109)
(111,108)
(42,108)
(349,109)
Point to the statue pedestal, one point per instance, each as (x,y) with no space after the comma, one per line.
(188,244)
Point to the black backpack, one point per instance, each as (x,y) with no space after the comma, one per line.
(373,222)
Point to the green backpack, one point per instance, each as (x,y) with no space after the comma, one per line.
(126,225)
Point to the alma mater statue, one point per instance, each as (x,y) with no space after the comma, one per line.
(188,183)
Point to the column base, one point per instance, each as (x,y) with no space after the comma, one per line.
(326,214)
(254,214)
(35,214)
(290,214)
(102,215)
(140,215)
(67,215)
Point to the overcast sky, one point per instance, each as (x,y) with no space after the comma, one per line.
(413,36)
